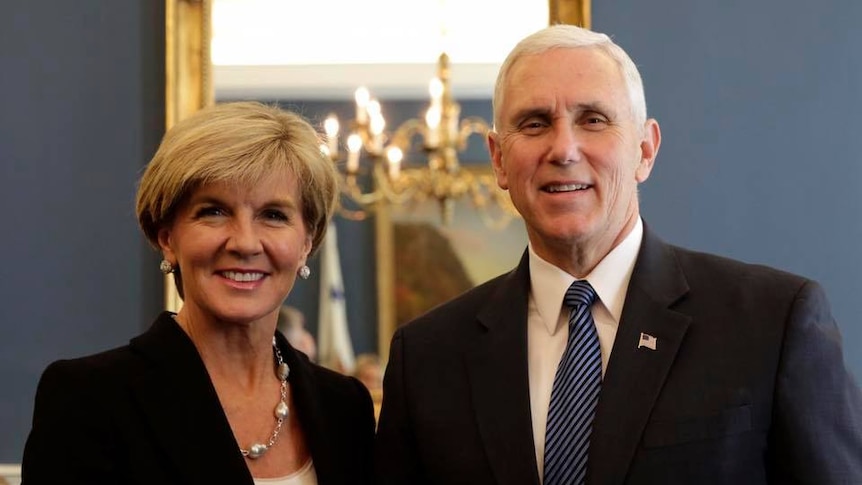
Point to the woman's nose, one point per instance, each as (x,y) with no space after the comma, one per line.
(243,238)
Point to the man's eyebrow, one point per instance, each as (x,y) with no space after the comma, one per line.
(546,112)
(530,112)
(591,106)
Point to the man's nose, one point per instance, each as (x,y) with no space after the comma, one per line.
(565,144)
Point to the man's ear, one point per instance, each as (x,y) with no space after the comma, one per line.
(496,150)
(649,150)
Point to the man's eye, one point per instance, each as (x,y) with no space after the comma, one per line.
(594,122)
(533,126)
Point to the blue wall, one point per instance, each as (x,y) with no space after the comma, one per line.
(759,104)
(81,90)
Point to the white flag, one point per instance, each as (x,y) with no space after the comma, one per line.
(334,347)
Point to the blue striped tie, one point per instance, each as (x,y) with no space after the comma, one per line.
(575,393)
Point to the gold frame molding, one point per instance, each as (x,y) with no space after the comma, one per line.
(188,76)
(189,87)
(573,12)
(188,69)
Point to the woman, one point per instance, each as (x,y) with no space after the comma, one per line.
(236,199)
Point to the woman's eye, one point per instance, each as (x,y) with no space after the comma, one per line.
(275,215)
(210,211)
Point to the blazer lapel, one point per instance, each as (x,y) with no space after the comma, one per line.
(182,407)
(634,375)
(497,370)
(306,400)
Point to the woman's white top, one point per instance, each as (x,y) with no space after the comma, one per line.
(304,476)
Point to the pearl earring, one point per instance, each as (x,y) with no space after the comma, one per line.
(166,267)
(304,272)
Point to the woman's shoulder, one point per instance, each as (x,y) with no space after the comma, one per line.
(112,363)
(94,368)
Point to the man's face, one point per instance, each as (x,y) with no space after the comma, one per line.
(570,154)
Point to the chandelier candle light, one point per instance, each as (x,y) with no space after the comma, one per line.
(393,181)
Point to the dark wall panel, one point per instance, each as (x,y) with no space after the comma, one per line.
(81,86)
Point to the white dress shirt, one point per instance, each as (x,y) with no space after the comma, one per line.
(547,321)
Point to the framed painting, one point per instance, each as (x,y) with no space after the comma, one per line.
(423,262)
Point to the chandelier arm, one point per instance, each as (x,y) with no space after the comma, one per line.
(405,132)
(443,136)
(354,191)
(469,126)
(384,187)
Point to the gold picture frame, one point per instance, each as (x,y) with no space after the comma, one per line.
(189,87)
(572,12)
(188,77)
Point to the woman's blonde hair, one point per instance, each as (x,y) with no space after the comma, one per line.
(242,143)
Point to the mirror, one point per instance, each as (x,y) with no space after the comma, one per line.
(190,87)
(189,80)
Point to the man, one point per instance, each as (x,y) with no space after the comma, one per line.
(684,368)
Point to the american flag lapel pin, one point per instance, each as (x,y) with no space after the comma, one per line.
(647,341)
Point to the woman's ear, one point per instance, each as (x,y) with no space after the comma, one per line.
(164,237)
(306,249)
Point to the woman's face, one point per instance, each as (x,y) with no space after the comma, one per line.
(238,248)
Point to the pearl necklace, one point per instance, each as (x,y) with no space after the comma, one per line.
(256,450)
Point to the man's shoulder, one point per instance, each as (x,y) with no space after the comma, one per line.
(466,306)
(715,269)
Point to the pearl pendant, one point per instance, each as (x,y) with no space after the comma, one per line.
(281,410)
(283,371)
(256,450)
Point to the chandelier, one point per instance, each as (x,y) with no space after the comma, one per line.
(416,162)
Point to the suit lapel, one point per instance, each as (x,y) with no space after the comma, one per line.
(182,408)
(635,376)
(497,369)
(306,400)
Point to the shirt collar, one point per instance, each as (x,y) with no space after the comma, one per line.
(610,278)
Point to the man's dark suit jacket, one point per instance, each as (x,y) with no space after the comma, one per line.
(747,384)
(147,413)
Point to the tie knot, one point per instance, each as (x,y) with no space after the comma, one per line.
(579,294)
